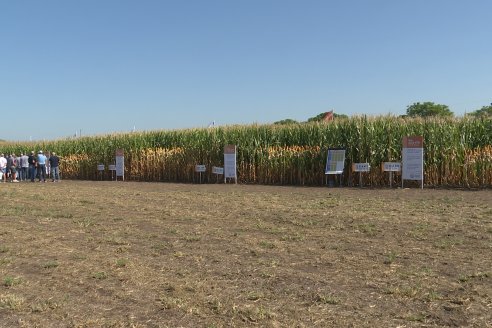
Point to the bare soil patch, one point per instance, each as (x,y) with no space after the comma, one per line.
(125,254)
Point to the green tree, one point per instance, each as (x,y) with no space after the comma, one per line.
(485,111)
(320,117)
(427,109)
(286,121)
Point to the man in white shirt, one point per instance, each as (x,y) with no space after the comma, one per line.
(3,168)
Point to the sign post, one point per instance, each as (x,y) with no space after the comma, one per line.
(335,162)
(112,168)
(200,169)
(361,167)
(391,167)
(217,171)
(413,159)
(120,164)
(100,169)
(230,169)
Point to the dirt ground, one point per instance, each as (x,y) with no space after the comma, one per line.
(124,254)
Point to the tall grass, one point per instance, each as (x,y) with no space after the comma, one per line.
(458,151)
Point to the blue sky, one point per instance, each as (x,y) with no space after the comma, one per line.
(102,66)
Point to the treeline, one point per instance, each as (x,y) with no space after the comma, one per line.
(418,109)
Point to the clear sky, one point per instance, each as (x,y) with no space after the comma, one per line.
(102,66)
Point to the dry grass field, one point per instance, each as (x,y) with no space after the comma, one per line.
(124,254)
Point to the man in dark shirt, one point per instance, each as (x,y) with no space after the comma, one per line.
(32,166)
(55,171)
(10,168)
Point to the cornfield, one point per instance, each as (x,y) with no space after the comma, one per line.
(457,152)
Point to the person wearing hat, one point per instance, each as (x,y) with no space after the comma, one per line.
(41,166)
(32,166)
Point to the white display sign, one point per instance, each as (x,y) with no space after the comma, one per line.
(361,167)
(230,169)
(217,170)
(112,167)
(391,167)
(100,167)
(412,163)
(200,168)
(120,163)
(413,159)
(335,161)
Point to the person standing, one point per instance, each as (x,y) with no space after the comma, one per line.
(3,168)
(20,174)
(24,163)
(13,168)
(32,166)
(8,172)
(41,166)
(55,171)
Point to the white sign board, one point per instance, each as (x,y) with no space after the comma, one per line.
(335,161)
(230,169)
(112,167)
(200,168)
(120,163)
(391,167)
(413,158)
(217,170)
(361,167)
(100,167)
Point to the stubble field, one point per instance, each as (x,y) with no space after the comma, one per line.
(124,254)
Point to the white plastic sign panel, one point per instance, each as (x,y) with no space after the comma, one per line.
(120,163)
(112,167)
(230,162)
(391,167)
(361,167)
(200,168)
(217,170)
(413,158)
(100,167)
(335,161)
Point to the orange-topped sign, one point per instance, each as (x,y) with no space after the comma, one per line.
(229,149)
(413,159)
(413,142)
(230,169)
(120,163)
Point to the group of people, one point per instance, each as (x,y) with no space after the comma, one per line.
(29,167)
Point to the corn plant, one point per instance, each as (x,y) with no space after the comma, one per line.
(457,151)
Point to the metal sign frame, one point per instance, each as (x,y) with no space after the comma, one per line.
(361,167)
(120,164)
(335,163)
(413,159)
(230,162)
